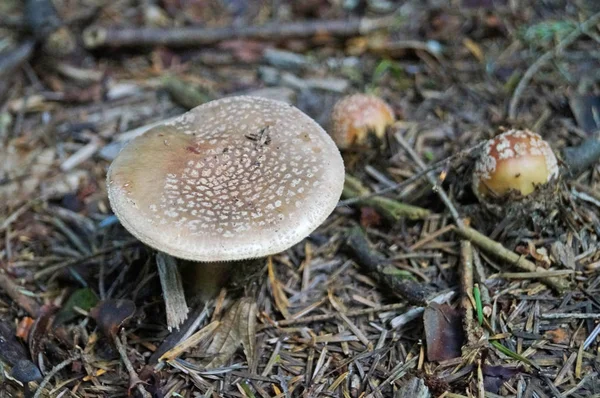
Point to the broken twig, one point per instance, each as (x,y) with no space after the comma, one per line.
(494,248)
(95,37)
(541,61)
(389,208)
(374,262)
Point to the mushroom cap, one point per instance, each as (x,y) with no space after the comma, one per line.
(515,160)
(232,179)
(354,116)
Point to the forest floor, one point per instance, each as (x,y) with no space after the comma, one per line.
(448,298)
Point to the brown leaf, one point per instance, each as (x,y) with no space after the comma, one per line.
(558,336)
(443,332)
(369,217)
(110,315)
(238,327)
(247,328)
(563,254)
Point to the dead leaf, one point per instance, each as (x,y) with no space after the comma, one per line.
(369,217)
(443,332)
(558,336)
(247,328)
(24,328)
(563,254)
(111,315)
(495,376)
(238,327)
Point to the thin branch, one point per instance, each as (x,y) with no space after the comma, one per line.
(13,290)
(496,249)
(134,379)
(417,176)
(432,180)
(95,37)
(537,65)
(53,372)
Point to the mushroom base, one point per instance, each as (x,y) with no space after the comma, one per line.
(515,209)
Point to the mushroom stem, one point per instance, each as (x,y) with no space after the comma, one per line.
(203,280)
(172,288)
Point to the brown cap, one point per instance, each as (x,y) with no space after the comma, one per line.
(516,160)
(354,116)
(232,179)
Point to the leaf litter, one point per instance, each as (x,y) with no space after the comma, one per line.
(344,315)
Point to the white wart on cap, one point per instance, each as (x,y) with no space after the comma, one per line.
(517,160)
(236,178)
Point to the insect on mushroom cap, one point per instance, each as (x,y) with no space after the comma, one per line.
(232,179)
(515,160)
(354,116)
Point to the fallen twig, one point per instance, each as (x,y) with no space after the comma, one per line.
(401,185)
(332,315)
(466,283)
(374,262)
(492,247)
(13,290)
(541,61)
(13,59)
(134,379)
(389,208)
(432,180)
(95,37)
(53,372)
(51,269)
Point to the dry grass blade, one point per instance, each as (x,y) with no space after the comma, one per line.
(279,296)
(190,342)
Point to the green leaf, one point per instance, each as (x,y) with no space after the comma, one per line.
(81,298)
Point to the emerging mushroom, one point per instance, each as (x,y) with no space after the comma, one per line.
(236,178)
(355,116)
(517,160)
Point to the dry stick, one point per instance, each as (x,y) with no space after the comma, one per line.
(401,185)
(391,209)
(535,67)
(326,317)
(494,248)
(95,37)
(13,290)
(53,372)
(466,283)
(432,180)
(78,260)
(133,377)
(16,57)
(372,261)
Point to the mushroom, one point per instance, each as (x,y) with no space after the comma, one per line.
(517,160)
(232,179)
(355,116)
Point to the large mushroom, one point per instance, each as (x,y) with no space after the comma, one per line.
(232,179)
